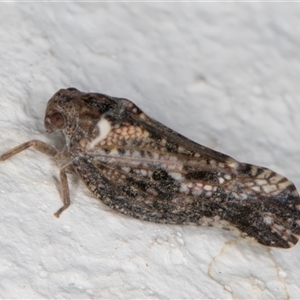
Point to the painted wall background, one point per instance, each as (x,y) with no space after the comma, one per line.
(225,75)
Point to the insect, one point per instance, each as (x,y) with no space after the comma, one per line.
(143,169)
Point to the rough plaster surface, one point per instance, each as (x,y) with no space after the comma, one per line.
(225,75)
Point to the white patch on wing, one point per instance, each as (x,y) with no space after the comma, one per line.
(104,129)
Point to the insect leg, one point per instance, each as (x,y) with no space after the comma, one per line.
(50,151)
(65,193)
(38,145)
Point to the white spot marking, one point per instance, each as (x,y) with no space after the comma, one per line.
(197,189)
(136,154)
(126,169)
(269,188)
(269,220)
(278,228)
(256,188)
(232,163)
(176,175)
(208,187)
(235,195)
(184,188)
(144,172)
(265,174)
(227,177)
(253,170)
(261,182)
(104,129)
(243,196)
(221,180)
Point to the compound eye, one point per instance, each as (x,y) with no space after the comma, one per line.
(57,120)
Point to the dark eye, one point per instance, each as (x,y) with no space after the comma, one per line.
(57,120)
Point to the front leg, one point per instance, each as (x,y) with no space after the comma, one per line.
(38,145)
(50,151)
(64,188)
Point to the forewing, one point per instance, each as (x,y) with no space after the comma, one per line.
(148,171)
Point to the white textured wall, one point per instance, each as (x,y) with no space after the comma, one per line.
(225,75)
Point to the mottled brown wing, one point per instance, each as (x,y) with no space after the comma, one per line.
(150,172)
